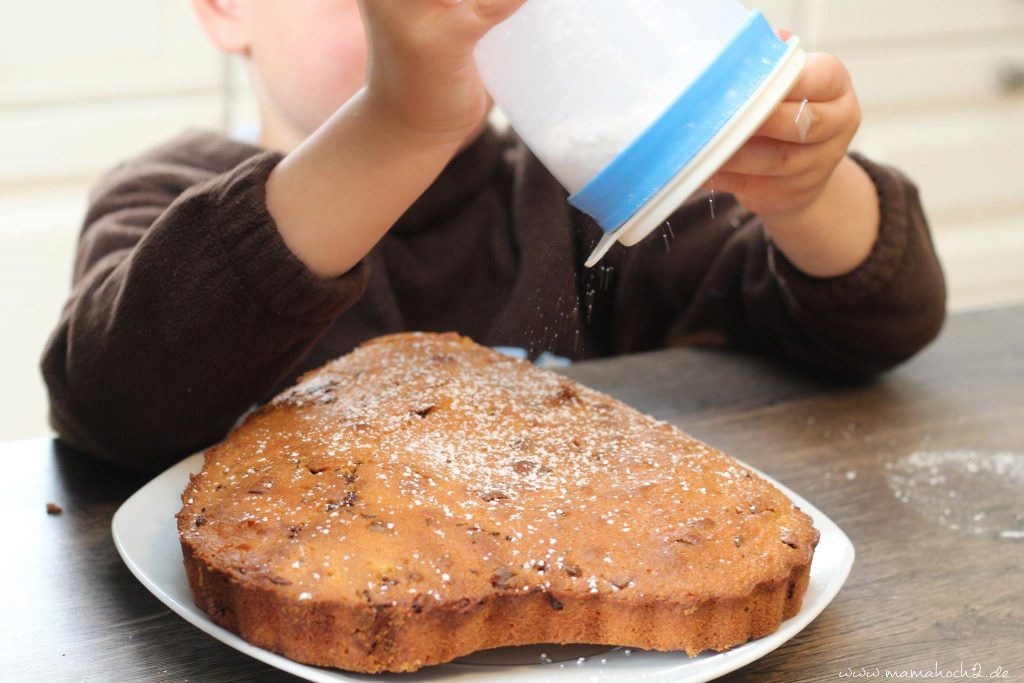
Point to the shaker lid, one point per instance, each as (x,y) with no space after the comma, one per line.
(709,121)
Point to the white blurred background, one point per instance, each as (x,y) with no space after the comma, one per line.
(84,85)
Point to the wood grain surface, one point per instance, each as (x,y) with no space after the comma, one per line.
(922,468)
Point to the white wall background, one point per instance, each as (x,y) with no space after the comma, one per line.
(86,84)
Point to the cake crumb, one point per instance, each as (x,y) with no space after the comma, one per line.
(54,509)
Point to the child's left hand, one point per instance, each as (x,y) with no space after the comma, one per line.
(787,164)
(817,204)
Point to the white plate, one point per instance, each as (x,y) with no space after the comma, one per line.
(146,536)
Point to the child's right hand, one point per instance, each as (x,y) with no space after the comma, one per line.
(421,73)
(335,195)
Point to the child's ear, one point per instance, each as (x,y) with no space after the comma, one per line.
(224,21)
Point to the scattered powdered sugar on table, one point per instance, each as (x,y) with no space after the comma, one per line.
(973,492)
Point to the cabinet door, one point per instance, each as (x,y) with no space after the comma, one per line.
(84,85)
(862,21)
(59,50)
(75,143)
(967,161)
(930,77)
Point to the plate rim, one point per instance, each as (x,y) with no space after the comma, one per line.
(723,662)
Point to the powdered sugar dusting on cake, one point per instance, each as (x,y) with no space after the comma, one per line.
(440,467)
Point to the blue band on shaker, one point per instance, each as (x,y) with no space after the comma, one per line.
(671,142)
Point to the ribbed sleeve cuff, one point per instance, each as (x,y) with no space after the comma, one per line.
(256,252)
(882,264)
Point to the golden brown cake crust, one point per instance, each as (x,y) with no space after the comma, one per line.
(425,497)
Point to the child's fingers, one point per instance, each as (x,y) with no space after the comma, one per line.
(823,79)
(768,157)
(764,194)
(811,122)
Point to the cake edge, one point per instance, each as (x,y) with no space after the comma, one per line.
(381,638)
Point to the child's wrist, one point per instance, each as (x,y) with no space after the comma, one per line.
(335,195)
(834,233)
(394,120)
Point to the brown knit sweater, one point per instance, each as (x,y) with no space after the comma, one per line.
(188,308)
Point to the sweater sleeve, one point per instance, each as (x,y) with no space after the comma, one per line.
(730,284)
(187,308)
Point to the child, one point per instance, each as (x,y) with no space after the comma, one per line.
(211,272)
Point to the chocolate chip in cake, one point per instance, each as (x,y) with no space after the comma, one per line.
(501,577)
(492,495)
(566,394)
(573,570)
(524,467)
(555,603)
(520,443)
(423,412)
(702,523)
(280,581)
(689,537)
(200,520)
(621,582)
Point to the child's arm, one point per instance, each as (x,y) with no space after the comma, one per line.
(187,307)
(198,290)
(724,283)
(367,165)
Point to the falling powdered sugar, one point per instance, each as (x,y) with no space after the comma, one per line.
(803,121)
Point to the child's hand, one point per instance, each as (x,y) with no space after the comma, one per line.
(786,166)
(817,204)
(421,73)
(335,195)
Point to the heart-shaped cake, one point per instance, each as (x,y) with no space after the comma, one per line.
(424,497)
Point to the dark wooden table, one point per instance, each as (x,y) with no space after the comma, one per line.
(923,468)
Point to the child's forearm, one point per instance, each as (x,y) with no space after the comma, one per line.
(337,194)
(836,232)
(340,191)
